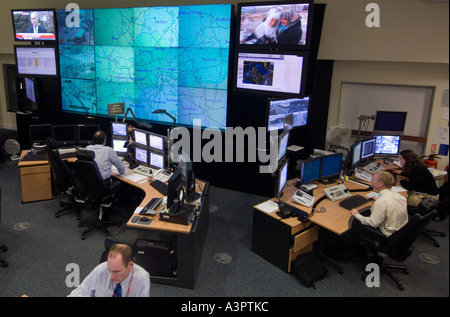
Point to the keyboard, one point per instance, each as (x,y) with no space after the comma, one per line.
(160,186)
(353,202)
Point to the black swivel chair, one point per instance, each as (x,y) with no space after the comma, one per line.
(398,246)
(3,247)
(91,187)
(62,179)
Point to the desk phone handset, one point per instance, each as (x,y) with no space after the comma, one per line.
(303,198)
(337,192)
(362,175)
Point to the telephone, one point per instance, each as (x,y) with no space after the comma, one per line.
(362,175)
(162,174)
(373,168)
(303,198)
(337,192)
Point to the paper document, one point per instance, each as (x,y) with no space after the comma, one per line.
(268,206)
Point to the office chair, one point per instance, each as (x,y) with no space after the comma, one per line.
(91,187)
(3,247)
(62,179)
(398,246)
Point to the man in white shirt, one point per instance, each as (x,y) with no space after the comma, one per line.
(389,212)
(119,276)
(105,155)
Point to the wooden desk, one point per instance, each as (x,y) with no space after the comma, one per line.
(187,241)
(280,241)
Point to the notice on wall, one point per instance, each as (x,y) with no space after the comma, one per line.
(441,135)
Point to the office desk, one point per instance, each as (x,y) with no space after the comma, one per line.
(280,241)
(186,241)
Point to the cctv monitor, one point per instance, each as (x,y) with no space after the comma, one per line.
(39,133)
(140,137)
(157,159)
(85,133)
(119,129)
(281,109)
(156,141)
(141,155)
(368,149)
(119,146)
(282,144)
(281,179)
(387,144)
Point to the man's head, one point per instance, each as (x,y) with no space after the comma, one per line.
(34,18)
(99,137)
(120,262)
(382,180)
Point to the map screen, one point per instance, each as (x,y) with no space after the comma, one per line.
(172,58)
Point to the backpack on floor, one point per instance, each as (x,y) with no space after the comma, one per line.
(308,268)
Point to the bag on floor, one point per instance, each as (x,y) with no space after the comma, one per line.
(308,268)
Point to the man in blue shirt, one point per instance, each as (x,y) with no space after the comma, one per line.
(105,155)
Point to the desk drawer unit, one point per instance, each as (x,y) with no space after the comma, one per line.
(36,183)
(280,243)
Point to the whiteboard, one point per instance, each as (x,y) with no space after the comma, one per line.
(365,99)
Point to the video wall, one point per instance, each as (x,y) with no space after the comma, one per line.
(171,58)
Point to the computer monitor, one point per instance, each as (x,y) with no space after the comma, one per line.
(280,112)
(185,163)
(283,140)
(390,121)
(368,149)
(387,144)
(119,146)
(355,152)
(310,170)
(85,133)
(157,159)
(119,129)
(65,134)
(174,186)
(140,137)
(281,179)
(36,61)
(34,25)
(141,155)
(156,141)
(39,133)
(330,167)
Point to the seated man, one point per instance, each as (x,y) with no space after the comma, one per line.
(119,276)
(105,155)
(388,214)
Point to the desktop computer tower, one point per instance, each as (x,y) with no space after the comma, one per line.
(156,257)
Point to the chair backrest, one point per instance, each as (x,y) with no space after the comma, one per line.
(63,176)
(89,182)
(400,242)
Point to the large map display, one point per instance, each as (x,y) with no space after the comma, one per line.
(172,58)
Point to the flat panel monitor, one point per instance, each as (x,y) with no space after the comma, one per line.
(119,129)
(356,153)
(275,25)
(85,132)
(392,121)
(157,159)
(387,144)
(34,24)
(156,141)
(280,109)
(273,74)
(330,166)
(281,179)
(368,149)
(119,146)
(141,155)
(65,134)
(30,89)
(36,61)
(140,137)
(310,170)
(283,140)
(39,133)
(174,186)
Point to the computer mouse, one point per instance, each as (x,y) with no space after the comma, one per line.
(145,219)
